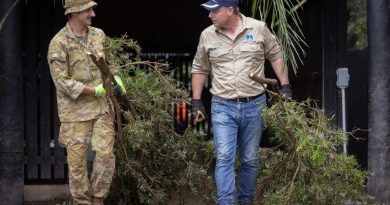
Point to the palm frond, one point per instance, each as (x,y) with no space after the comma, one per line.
(285,24)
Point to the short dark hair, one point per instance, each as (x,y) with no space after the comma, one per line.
(236,10)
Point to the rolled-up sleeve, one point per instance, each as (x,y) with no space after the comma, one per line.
(272,49)
(201,63)
(59,71)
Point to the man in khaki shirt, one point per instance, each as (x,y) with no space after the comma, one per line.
(229,50)
(83,108)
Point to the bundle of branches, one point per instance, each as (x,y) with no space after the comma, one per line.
(153,161)
(306,167)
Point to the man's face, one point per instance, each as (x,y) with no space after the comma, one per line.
(221,16)
(85,17)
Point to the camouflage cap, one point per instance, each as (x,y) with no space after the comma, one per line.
(72,6)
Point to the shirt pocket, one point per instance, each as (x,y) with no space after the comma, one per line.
(252,51)
(218,55)
(79,69)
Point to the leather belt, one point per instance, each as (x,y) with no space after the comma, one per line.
(245,99)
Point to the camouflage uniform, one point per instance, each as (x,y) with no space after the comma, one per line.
(84,118)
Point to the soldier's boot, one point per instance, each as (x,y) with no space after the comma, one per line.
(97,201)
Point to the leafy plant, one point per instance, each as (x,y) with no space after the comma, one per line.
(153,161)
(357,24)
(285,24)
(305,167)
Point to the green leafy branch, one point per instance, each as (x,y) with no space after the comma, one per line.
(154,162)
(305,167)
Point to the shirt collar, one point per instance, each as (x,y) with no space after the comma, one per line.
(70,31)
(245,23)
(71,34)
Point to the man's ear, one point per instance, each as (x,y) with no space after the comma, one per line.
(230,10)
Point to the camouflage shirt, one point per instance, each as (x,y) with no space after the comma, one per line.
(71,70)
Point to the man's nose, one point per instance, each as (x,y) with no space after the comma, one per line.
(92,13)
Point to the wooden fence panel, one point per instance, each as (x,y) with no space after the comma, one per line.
(44,159)
(59,164)
(45,102)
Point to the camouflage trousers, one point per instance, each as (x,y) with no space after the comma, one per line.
(76,137)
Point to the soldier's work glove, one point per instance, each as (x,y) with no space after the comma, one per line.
(286,91)
(119,87)
(100,91)
(198,111)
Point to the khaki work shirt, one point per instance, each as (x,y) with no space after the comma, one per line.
(71,70)
(231,61)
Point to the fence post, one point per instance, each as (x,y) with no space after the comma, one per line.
(11,106)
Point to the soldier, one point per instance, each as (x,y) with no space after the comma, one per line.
(83,108)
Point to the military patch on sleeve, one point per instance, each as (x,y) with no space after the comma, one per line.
(55,55)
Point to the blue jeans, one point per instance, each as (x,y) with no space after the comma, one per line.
(237,124)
